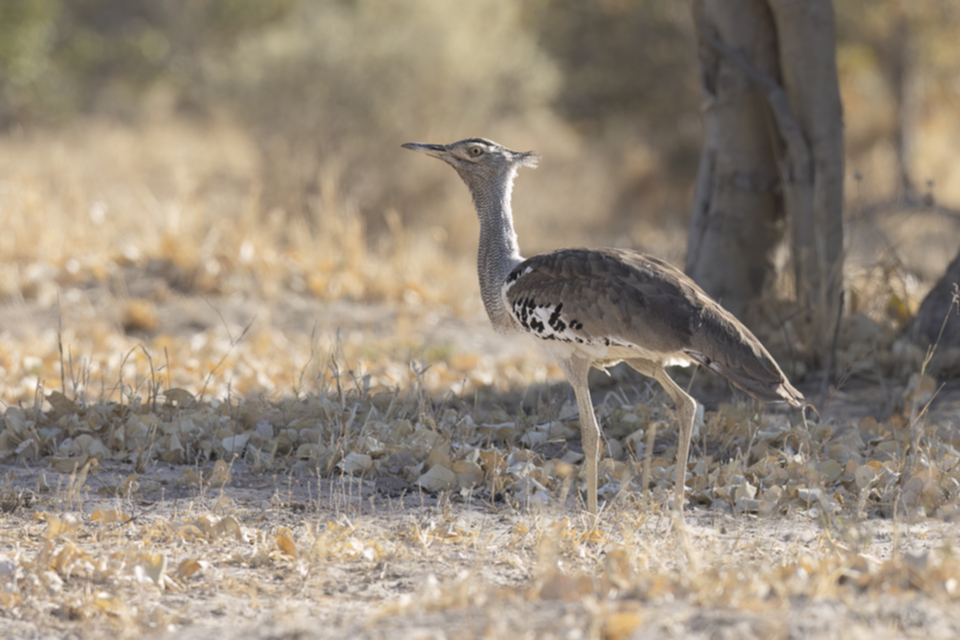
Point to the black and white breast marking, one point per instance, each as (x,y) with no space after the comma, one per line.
(547,321)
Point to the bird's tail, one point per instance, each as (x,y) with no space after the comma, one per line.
(767,388)
(756,374)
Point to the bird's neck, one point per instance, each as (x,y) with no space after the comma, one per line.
(499,252)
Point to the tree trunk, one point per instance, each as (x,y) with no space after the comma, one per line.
(737,221)
(902,69)
(773,151)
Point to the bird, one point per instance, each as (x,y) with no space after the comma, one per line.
(594,308)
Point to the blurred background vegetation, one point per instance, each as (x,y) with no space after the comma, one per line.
(317,96)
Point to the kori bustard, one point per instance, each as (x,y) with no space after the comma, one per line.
(597,307)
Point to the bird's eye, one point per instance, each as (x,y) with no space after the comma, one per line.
(476,151)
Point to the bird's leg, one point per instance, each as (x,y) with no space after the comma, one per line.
(576,370)
(686,410)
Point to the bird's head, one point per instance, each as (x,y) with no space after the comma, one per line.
(478,158)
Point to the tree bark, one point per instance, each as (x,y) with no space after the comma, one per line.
(902,69)
(809,67)
(737,220)
(773,151)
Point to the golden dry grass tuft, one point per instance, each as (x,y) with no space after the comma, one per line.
(139,315)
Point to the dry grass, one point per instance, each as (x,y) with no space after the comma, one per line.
(359,510)
(80,205)
(107,227)
(190,443)
(117,521)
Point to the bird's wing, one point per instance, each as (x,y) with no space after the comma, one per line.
(614,297)
(601,296)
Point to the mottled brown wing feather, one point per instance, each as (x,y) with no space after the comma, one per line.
(628,297)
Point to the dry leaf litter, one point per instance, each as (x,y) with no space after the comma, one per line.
(97,552)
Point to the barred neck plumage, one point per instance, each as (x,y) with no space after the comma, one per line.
(499,252)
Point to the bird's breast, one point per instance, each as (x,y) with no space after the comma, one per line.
(546,320)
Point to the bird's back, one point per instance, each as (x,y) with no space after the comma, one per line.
(614,298)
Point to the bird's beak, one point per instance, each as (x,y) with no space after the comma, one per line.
(435,150)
